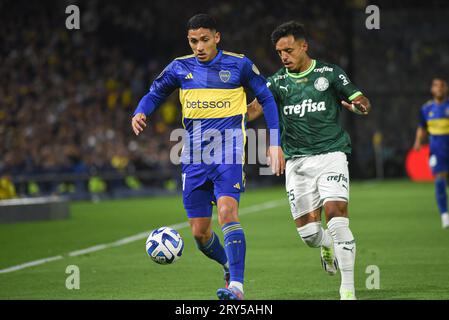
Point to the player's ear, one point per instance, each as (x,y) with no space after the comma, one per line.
(305,46)
(217,37)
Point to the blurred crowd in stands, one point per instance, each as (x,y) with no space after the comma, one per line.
(67,96)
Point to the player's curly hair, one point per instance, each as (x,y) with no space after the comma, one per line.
(293,28)
(201,20)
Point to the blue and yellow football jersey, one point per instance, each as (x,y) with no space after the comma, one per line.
(214,104)
(213,99)
(435,118)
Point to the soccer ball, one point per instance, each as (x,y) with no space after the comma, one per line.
(164,245)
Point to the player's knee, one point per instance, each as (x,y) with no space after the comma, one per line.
(227,213)
(311,234)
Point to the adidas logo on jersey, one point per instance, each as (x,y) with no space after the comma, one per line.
(189,76)
(306,105)
(237,185)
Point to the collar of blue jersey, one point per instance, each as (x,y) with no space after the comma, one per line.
(208,63)
(440,104)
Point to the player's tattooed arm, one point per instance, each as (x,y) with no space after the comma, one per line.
(359,105)
(421,134)
(254,110)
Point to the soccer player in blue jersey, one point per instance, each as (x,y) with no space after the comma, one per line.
(211,83)
(434,119)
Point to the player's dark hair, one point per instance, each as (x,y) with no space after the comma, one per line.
(292,28)
(439,77)
(201,20)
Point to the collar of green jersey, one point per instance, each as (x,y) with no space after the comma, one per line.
(302,74)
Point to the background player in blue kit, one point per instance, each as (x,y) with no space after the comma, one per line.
(434,119)
(211,83)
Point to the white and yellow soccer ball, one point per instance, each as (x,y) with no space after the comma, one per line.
(164,245)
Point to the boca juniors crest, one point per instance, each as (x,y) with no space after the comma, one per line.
(225,75)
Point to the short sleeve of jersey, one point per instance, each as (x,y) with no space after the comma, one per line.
(344,86)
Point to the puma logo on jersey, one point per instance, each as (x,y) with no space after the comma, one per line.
(285,88)
(306,105)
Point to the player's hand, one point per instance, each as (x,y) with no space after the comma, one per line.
(356,107)
(138,123)
(276,160)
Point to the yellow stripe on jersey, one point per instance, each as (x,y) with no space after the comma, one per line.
(438,126)
(238,55)
(212,103)
(185,57)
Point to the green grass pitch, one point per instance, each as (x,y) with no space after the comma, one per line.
(396,226)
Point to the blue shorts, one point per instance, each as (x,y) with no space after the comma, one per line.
(439,162)
(203,185)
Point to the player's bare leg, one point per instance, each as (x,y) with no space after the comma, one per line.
(344,245)
(209,243)
(312,233)
(235,247)
(201,229)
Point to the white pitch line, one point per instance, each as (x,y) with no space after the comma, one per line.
(30,264)
(87,250)
(136,237)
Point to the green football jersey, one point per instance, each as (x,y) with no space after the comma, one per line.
(309,105)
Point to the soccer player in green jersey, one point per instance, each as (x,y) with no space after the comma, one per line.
(310,95)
